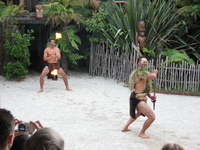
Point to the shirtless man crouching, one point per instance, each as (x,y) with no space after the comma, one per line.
(140,85)
(51,55)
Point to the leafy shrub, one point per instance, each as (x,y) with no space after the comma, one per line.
(68,44)
(15,70)
(16,46)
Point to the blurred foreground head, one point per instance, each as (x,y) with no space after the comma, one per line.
(173,146)
(7,126)
(45,139)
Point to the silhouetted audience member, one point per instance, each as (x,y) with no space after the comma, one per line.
(19,142)
(173,146)
(7,133)
(45,139)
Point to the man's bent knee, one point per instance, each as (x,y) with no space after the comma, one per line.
(152,117)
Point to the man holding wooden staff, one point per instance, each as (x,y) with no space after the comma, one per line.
(140,85)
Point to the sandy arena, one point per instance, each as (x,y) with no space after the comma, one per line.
(92,115)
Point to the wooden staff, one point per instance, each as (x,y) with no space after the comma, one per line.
(154,105)
(154,94)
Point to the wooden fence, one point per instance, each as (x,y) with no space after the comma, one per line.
(105,61)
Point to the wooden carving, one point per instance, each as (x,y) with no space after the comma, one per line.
(39,11)
(140,35)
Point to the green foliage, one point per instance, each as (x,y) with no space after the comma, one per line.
(160,19)
(164,27)
(95,24)
(177,56)
(150,53)
(69,45)
(188,38)
(15,70)
(188,7)
(1,21)
(61,12)
(2,7)
(8,11)
(16,46)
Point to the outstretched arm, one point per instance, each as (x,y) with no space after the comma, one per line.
(152,75)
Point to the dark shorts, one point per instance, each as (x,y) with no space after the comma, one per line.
(53,66)
(133,104)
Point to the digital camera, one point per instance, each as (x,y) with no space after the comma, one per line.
(26,127)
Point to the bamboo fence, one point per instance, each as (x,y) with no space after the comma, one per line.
(108,62)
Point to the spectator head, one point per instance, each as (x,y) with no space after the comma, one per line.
(7,126)
(19,142)
(45,139)
(173,146)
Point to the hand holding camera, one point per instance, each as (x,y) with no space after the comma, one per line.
(28,127)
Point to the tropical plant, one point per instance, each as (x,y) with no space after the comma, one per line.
(10,9)
(70,47)
(15,70)
(188,39)
(188,8)
(16,46)
(95,24)
(177,56)
(62,13)
(160,18)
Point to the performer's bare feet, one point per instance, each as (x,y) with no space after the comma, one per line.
(142,135)
(126,129)
(41,90)
(69,89)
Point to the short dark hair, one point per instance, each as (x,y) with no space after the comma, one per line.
(139,59)
(51,39)
(7,125)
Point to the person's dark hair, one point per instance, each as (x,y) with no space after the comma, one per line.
(7,125)
(19,142)
(45,139)
(51,39)
(173,146)
(139,59)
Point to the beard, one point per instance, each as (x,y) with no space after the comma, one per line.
(143,65)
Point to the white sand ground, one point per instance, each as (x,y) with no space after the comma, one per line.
(92,116)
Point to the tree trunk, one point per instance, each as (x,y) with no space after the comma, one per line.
(64,63)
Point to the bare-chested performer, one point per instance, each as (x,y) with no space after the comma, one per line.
(51,55)
(140,84)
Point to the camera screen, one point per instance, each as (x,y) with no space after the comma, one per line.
(22,127)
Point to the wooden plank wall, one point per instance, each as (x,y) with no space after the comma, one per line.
(107,62)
